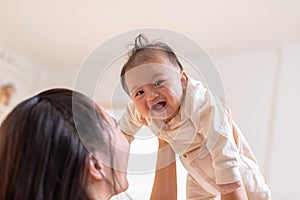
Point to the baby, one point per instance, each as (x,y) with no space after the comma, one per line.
(199,128)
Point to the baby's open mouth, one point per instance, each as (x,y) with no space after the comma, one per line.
(159,106)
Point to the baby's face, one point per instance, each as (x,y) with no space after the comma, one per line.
(156,89)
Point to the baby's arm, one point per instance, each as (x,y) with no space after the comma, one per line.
(165,182)
(234,190)
(131,122)
(222,144)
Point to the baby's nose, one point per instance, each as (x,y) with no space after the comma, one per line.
(152,95)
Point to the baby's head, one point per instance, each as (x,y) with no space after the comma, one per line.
(144,52)
(154,79)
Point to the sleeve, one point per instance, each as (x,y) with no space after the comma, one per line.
(216,128)
(131,121)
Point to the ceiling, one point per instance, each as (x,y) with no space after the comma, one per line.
(58,34)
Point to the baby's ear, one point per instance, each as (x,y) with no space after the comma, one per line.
(184,79)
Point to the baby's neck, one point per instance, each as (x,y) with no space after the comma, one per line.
(171,117)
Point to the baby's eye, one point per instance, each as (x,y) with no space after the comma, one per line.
(139,93)
(158,83)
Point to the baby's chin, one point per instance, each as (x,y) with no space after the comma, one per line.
(163,117)
(160,115)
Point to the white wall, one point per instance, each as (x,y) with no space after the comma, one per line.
(284,160)
(26,78)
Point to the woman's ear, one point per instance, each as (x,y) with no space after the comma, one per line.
(184,79)
(96,169)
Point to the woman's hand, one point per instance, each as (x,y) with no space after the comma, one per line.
(165,182)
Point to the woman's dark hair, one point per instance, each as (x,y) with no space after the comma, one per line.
(142,50)
(41,154)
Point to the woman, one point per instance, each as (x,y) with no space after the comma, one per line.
(59,145)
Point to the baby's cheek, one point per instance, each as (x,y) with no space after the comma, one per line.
(140,106)
(176,92)
(144,111)
(177,98)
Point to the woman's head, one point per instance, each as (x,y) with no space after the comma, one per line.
(42,155)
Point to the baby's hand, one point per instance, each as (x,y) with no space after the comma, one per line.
(228,188)
(128,137)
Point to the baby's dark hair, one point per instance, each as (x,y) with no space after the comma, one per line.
(142,51)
